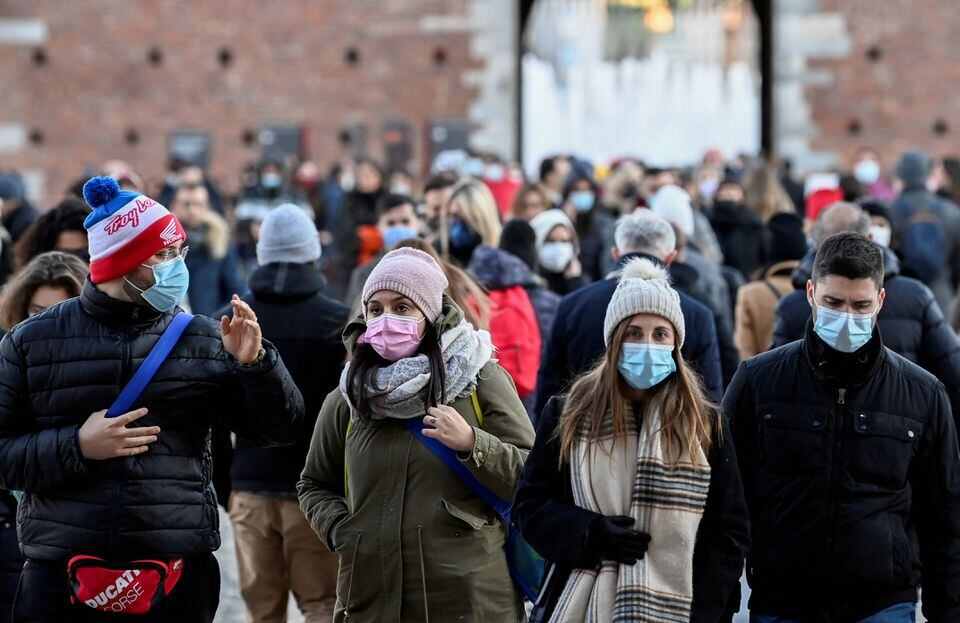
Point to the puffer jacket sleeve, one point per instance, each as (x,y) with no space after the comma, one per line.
(30,460)
(553,365)
(321,487)
(265,405)
(505,439)
(939,351)
(935,482)
(723,538)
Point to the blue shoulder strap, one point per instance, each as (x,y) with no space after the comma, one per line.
(150,365)
(449,458)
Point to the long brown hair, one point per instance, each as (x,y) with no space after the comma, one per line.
(55,269)
(462,288)
(765,195)
(688,419)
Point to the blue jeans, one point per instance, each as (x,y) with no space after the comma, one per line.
(900,613)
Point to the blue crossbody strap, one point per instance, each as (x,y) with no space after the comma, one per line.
(144,374)
(449,458)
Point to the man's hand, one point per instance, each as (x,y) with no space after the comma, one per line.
(104,438)
(241,334)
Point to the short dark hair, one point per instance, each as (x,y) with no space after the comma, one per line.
(849,255)
(548,165)
(392,200)
(439,181)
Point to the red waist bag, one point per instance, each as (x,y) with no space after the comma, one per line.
(122,587)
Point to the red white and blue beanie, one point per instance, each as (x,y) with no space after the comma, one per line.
(124,229)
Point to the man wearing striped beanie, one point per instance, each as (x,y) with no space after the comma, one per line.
(136,487)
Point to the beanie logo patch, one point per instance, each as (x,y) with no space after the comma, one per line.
(170,233)
(130,217)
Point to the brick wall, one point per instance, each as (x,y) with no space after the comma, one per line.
(897,87)
(97,86)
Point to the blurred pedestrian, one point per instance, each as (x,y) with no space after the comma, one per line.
(632,491)
(48,279)
(529,202)
(397,221)
(277,551)
(436,194)
(554,171)
(18,214)
(881,222)
(593,226)
(372,490)
(519,239)
(868,170)
(106,487)
(212,261)
(576,341)
(764,194)
(557,252)
(927,230)
(849,460)
(472,220)
(911,321)
(356,235)
(59,229)
(739,229)
(184,173)
(757,301)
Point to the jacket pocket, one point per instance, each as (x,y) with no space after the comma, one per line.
(348,554)
(881,449)
(792,438)
(466,518)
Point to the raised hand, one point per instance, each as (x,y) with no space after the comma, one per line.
(241,334)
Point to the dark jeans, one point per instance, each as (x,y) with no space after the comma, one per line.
(900,613)
(43,596)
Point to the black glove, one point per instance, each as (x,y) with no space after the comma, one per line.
(613,538)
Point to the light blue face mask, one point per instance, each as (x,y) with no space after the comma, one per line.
(392,236)
(644,366)
(582,200)
(170,283)
(842,331)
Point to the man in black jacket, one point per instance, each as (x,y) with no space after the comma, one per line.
(911,322)
(576,341)
(277,551)
(136,486)
(850,463)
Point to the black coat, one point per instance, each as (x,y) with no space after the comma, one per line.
(72,360)
(911,322)
(851,472)
(559,530)
(740,233)
(576,342)
(11,560)
(305,325)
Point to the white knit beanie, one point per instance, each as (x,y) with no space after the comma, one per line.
(544,223)
(644,288)
(672,204)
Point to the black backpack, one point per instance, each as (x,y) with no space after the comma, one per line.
(923,245)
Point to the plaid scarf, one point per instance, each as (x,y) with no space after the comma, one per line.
(629,476)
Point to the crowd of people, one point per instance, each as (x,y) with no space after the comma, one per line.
(656,378)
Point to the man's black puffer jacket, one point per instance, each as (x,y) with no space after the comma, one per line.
(72,360)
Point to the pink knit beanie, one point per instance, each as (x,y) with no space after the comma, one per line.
(412,273)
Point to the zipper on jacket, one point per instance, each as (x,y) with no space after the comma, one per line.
(423,576)
(837,451)
(353,572)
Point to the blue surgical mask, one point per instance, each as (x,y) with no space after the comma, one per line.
(170,283)
(644,366)
(271,180)
(582,200)
(843,331)
(867,172)
(392,236)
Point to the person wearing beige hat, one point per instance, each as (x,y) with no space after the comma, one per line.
(632,492)
(413,539)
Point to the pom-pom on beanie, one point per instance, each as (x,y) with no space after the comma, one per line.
(644,288)
(124,228)
(412,273)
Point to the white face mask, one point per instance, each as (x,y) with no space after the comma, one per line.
(867,172)
(881,234)
(556,256)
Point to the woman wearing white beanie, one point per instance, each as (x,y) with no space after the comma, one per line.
(557,251)
(632,491)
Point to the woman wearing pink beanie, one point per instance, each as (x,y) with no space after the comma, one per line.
(413,538)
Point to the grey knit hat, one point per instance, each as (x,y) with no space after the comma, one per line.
(288,235)
(412,273)
(644,288)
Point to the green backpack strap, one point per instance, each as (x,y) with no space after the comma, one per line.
(477,411)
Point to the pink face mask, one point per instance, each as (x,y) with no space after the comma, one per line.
(393,337)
